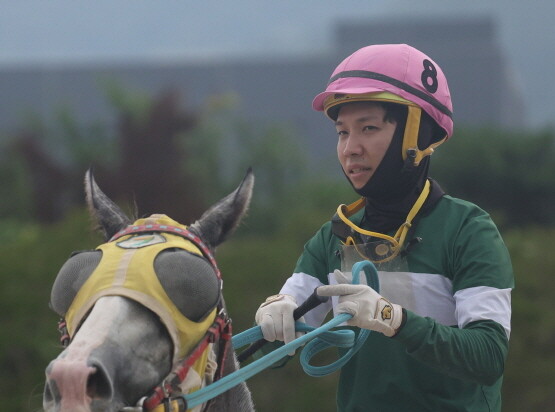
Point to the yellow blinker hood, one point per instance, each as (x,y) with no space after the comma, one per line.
(127,269)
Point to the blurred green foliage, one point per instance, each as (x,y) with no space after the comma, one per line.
(532,346)
(510,175)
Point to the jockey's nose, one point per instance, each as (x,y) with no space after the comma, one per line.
(351,145)
(74,385)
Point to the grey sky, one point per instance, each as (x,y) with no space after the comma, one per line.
(75,31)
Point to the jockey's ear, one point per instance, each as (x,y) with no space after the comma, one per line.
(223,217)
(107,215)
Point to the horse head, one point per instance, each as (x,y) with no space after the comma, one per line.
(143,315)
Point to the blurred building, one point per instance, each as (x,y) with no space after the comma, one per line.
(279,90)
(484,89)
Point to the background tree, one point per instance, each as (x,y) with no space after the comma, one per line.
(142,163)
(509,174)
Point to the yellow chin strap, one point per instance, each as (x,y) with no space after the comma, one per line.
(397,241)
(410,137)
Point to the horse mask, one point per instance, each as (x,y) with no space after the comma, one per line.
(162,270)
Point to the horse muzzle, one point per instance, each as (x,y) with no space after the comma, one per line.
(77,386)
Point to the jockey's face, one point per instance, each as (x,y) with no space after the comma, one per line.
(363,139)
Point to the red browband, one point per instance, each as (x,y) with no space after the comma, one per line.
(185,233)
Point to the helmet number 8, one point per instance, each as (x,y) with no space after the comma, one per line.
(429,76)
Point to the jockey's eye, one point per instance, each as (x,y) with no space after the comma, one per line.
(189,281)
(73,274)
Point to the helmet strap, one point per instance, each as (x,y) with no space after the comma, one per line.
(412,155)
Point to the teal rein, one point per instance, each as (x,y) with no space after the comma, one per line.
(316,340)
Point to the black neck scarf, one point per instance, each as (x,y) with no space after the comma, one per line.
(393,188)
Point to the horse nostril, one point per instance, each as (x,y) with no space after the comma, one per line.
(99,385)
(51,392)
(47,395)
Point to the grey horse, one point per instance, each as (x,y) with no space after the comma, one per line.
(121,349)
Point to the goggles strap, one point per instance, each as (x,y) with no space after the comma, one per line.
(405,227)
(344,212)
(353,207)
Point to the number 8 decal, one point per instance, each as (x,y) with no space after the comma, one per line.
(429,76)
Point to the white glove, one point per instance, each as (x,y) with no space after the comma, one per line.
(370,310)
(275,317)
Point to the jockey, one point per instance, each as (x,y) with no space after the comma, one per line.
(441,318)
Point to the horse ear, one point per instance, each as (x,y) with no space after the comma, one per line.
(222,218)
(107,215)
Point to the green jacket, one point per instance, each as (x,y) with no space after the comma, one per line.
(456,290)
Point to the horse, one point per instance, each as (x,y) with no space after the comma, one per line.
(143,316)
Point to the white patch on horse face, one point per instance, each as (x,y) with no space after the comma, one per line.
(95,329)
(71,370)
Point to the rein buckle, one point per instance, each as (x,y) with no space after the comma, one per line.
(137,408)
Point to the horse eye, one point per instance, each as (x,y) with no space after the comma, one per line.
(73,274)
(189,281)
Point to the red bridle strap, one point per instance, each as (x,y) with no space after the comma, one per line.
(220,331)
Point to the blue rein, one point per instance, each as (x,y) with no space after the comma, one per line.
(316,340)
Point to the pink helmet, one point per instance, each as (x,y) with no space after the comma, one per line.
(397,73)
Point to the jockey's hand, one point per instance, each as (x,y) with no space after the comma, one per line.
(275,317)
(370,310)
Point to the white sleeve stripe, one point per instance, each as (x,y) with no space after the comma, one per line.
(301,286)
(484,303)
